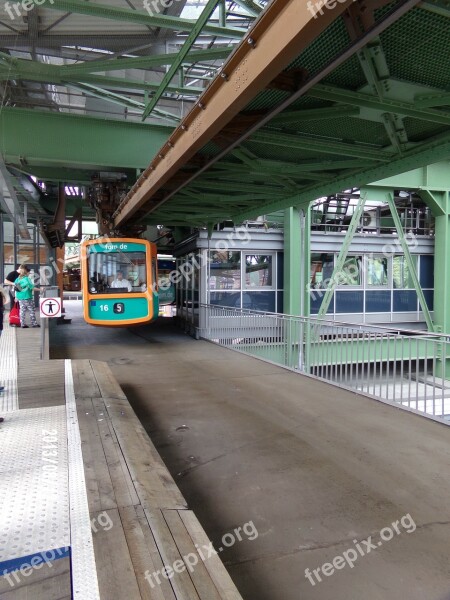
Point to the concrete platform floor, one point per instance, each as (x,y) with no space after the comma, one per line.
(315,468)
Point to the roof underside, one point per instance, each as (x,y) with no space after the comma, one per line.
(384,110)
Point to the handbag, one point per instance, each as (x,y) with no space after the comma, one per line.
(14,315)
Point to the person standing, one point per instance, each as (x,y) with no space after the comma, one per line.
(3,301)
(9,281)
(24,294)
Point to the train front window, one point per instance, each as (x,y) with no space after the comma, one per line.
(117,272)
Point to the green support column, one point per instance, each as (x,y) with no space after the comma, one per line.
(292,281)
(292,262)
(442,266)
(409,260)
(306,312)
(296,278)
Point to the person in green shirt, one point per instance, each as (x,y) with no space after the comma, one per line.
(24,294)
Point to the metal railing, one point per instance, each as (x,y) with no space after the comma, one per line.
(405,367)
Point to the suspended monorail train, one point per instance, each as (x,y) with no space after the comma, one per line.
(119,281)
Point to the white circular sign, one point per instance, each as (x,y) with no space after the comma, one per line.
(50,307)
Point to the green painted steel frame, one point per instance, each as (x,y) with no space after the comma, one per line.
(182,54)
(337,271)
(409,260)
(148,18)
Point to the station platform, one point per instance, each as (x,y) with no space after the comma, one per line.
(314,467)
(88,509)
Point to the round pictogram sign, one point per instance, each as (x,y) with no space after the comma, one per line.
(50,307)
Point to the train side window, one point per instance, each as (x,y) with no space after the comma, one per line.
(154,275)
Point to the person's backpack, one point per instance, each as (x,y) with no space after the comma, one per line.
(14,315)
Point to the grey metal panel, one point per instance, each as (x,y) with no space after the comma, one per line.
(378,244)
(34,506)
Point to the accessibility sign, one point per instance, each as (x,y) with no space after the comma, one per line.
(50,307)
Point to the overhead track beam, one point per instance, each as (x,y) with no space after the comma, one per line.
(284,29)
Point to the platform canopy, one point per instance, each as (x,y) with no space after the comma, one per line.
(229,109)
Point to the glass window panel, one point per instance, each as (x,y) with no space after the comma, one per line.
(264,301)
(405,301)
(429,297)
(427,271)
(349,302)
(401,274)
(316,301)
(377,271)
(351,271)
(229,299)
(280,271)
(321,270)
(225,270)
(378,301)
(258,270)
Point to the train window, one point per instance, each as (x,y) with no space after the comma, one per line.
(117,272)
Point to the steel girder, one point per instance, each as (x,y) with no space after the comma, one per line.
(140,17)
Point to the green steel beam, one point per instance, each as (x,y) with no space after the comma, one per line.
(435,200)
(41,138)
(251,7)
(96,92)
(52,76)
(409,260)
(433,176)
(140,17)
(429,100)
(65,174)
(314,114)
(302,142)
(227,186)
(375,68)
(335,94)
(190,40)
(432,151)
(340,262)
(141,62)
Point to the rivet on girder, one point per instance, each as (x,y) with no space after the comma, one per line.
(170,144)
(184,128)
(252,42)
(161,155)
(224,76)
(201,105)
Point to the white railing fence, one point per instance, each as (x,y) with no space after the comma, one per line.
(405,367)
